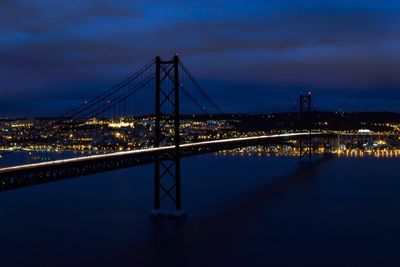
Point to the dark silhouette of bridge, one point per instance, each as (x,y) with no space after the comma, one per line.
(169,78)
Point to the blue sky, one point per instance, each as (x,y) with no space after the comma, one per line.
(54,54)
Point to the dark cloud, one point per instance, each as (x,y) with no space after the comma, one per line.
(48,47)
(286,32)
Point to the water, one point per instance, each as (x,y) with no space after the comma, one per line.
(242,211)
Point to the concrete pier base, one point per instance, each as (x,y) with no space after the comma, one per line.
(165,214)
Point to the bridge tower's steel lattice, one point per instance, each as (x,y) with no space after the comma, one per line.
(167,169)
(305,118)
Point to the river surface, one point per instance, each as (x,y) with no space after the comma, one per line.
(242,211)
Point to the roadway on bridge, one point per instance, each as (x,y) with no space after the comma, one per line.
(156,150)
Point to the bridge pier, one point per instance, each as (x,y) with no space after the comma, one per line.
(167,168)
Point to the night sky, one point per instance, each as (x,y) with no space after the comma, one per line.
(250,56)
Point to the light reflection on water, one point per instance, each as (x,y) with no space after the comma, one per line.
(248,211)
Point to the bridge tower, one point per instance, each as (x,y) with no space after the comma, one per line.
(305,118)
(167,169)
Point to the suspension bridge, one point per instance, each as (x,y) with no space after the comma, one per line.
(168,82)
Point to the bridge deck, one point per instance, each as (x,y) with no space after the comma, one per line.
(36,173)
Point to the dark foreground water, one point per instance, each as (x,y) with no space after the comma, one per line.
(242,211)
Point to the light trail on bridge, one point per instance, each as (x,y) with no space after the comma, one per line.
(156,150)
